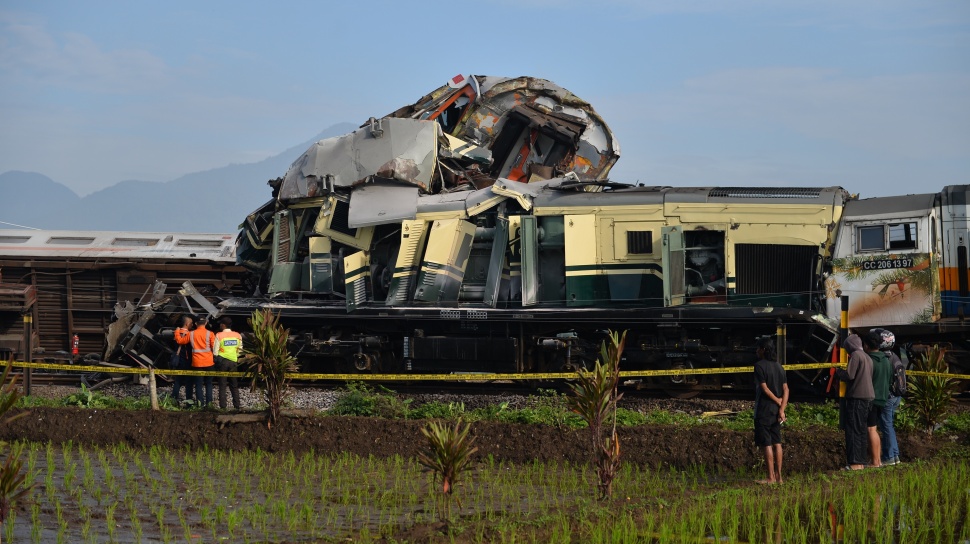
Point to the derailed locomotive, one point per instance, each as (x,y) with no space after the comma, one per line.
(475,231)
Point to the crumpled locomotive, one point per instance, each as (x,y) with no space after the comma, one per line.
(476,231)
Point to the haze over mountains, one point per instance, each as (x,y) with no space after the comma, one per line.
(216,200)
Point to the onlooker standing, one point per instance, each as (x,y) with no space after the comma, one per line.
(184,360)
(858,400)
(770,400)
(203,343)
(897,388)
(881,374)
(229,342)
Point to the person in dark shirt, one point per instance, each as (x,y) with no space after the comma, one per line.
(184,358)
(770,400)
(858,400)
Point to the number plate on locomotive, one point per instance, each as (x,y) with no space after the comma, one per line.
(885,264)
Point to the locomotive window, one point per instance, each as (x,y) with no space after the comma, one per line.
(902,236)
(872,238)
(639,242)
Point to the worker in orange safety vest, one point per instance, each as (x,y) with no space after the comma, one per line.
(204,348)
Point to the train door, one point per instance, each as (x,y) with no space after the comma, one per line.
(674,264)
(955,269)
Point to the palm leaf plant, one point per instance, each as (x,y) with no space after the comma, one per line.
(267,361)
(594,398)
(931,397)
(448,455)
(12,488)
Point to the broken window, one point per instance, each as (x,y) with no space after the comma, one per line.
(639,242)
(902,236)
(532,137)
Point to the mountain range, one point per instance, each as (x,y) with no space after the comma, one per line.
(216,200)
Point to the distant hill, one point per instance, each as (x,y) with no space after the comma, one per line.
(216,200)
(26,196)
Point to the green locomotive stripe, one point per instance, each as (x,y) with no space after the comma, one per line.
(614,266)
(447,270)
(363,271)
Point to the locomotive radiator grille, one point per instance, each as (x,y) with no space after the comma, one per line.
(775,269)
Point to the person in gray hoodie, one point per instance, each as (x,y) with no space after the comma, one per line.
(858,402)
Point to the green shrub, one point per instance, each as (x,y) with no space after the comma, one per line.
(363,400)
(629,418)
(86,398)
(437,410)
(931,397)
(802,415)
(957,423)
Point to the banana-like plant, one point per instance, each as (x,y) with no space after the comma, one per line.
(594,397)
(12,488)
(448,455)
(267,361)
(931,397)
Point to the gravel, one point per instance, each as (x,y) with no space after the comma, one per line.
(323,399)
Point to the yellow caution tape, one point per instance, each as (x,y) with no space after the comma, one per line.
(469,377)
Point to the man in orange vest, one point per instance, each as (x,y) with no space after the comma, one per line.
(204,346)
(230,343)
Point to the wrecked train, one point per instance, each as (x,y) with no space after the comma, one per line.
(474,231)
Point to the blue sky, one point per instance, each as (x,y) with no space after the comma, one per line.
(870,95)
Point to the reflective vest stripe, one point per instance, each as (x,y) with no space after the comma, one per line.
(208,343)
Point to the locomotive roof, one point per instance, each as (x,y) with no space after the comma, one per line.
(124,245)
(637,195)
(890,205)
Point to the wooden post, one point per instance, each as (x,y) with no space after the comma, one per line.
(152,391)
(29,352)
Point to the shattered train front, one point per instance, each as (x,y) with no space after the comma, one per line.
(405,208)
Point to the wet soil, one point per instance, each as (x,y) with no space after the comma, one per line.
(716,448)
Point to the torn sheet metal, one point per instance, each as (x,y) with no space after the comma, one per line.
(461,151)
(401,149)
(457,205)
(523,193)
(382,203)
(524,122)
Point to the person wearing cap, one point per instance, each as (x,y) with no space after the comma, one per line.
(890,447)
(227,356)
(204,346)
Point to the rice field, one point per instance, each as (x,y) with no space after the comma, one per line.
(125,494)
